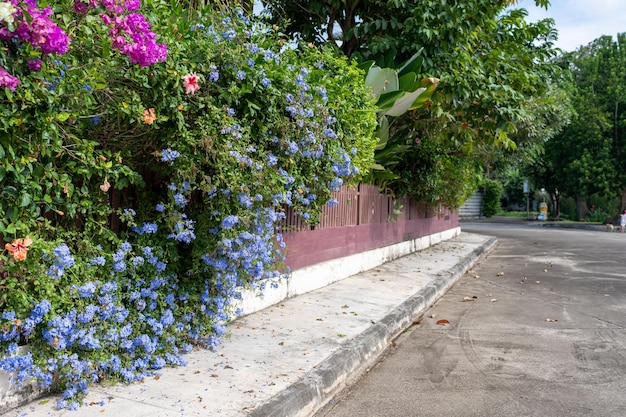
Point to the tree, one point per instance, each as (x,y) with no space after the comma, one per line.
(489,59)
(588,158)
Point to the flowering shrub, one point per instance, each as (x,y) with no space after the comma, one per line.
(203,144)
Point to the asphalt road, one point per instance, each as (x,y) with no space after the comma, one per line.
(536,329)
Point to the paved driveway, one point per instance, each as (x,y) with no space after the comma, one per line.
(536,329)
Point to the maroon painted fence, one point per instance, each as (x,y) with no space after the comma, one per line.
(365,219)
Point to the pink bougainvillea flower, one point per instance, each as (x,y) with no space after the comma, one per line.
(34,65)
(190,82)
(7,80)
(19,248)
(149,116)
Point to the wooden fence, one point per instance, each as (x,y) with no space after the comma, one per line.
(364,219)
(361,205)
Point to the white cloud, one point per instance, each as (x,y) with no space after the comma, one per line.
(579,22)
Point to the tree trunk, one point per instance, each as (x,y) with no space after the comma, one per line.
(581,208)
(555,199)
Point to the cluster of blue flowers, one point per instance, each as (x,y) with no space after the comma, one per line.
(172,281)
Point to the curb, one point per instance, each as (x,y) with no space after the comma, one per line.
(319,385)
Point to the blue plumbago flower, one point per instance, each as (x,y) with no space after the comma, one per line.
(241,74)
(245,200)
(266,82)
(11,349)
(169,155)
(333,203)
(230,112)
(335,184)
(87,290)
(160,208)
(229,34)
(87,315)
(146,228)
(39,311)
(229,222)
(118,256)
(98,260)
(183,230)
(292,148)
(119,266)
(214,75)
(63,260)
(271,160)
(125,246)
(180,199)
(129,212)
(108,287)
(330,133)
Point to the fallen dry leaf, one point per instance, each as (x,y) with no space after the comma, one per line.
(551,320)
(473,298)
(416,321)
(432,316)
(443,322)
(494,300)
(499,274)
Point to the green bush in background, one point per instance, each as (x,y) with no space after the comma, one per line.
(492,192)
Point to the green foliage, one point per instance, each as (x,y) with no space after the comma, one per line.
(494,69)
(492,192)
(153,194)
(587,158)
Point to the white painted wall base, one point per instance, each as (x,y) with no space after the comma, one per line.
(319,275)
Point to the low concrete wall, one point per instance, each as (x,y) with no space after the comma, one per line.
(316,276)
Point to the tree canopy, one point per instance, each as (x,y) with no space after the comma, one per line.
(491,63)
(587,159)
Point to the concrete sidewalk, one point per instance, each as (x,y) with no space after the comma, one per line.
(289,359)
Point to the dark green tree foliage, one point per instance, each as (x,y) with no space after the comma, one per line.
(588,158)
(490,61)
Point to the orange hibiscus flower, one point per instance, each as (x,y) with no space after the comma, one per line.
(19,248)
(148,116)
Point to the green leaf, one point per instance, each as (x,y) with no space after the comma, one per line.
(10,229)
(63,116)
(408,82)
(387,100)
(404,103)
(413,64)
(382,80)
(26,200)
(382,133)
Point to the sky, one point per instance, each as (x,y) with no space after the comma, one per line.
(580,21)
